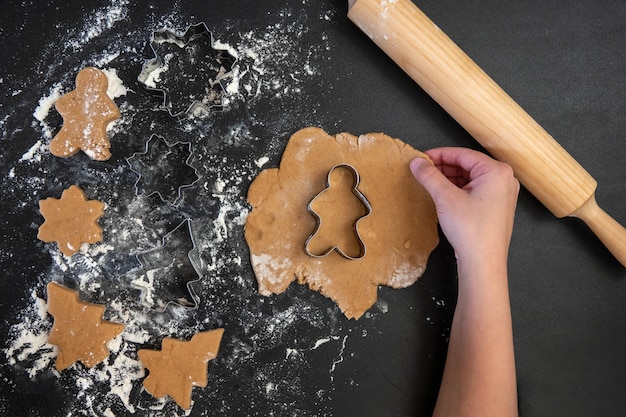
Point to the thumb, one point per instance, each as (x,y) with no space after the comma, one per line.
(427,174)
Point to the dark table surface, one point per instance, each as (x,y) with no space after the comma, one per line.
(303,63)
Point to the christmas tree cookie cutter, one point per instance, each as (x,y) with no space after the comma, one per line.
(367,211)
(187,70)
(162,279)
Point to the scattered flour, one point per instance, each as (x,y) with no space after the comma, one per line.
(46,102)
(261,161)
(339,359)
(116,86)
(98,24)
(154,76)
(268,62)
(30,343)
(34,153)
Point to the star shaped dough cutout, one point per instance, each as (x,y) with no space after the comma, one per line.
(70,220)
(86,113)
(78,330)
(180,365)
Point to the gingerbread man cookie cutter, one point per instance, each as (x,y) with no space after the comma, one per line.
(360,196)
(187,70)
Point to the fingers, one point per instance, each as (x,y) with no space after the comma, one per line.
(464,165)
(460,164)
(461,157)
(431,178)
(481,210)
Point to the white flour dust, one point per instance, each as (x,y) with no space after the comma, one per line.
(98,24)
(270,63)
(31,338)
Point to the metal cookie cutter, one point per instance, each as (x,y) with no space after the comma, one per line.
(362,199)
(163,169)
(187,70)
(168,273)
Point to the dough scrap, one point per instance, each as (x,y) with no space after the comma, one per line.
(78,330)
(180,365)
(86,112)
(70,220)
(399,234)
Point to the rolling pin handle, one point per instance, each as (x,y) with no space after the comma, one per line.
(608,230)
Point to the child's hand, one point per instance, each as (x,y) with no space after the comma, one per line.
(475,197)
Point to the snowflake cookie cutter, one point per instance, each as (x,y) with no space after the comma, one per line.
(359,195)
(187,70)
(163,169)
(172,274)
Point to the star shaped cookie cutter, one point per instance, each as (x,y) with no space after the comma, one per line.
(187,70)
(358,194)
(163,169)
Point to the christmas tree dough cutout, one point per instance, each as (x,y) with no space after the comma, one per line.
(338,209)
(78,329)
(180,365)
(70,220)
(86,113)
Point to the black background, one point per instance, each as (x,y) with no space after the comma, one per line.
(563,61)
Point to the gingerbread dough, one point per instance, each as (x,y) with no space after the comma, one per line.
(70,220)
(399,234)
(78,329)
(180,365)
(86,112)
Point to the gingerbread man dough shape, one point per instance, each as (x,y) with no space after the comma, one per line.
(86,112)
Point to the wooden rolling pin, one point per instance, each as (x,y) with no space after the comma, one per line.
(478,104)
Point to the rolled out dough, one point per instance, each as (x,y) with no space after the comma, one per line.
(399,234)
